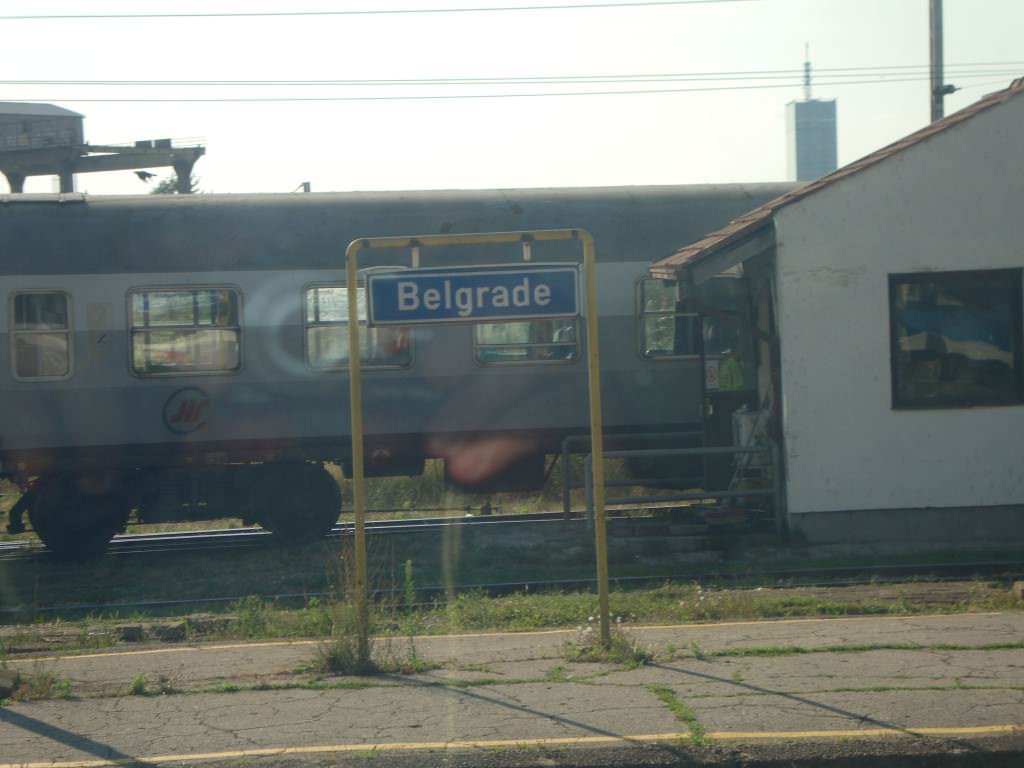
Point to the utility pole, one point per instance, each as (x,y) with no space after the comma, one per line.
(938,88)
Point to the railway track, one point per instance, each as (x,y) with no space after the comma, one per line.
(232,538)
(709,574)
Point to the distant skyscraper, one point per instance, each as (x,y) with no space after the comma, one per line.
(810,133)
(810,138)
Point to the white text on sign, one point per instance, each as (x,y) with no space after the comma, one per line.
(468,300)
(473,294)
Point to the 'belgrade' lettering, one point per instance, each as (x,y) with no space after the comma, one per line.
(430,296)
(466,300)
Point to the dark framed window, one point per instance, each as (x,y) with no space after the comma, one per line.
(956,338)
(325,318)
(41,335)
(526,341)
(185,331)
(665,328)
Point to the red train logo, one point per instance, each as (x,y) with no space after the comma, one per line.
(186,410)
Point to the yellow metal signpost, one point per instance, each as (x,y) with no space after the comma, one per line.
(356,399)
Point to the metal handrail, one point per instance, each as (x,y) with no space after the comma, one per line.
(774,490)
(570,440)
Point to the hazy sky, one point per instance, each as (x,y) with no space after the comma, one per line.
(655,138)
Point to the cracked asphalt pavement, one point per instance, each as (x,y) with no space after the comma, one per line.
(897,688)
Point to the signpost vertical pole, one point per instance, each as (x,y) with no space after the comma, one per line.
(596,435)
(356,409)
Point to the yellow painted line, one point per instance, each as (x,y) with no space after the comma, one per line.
(424,746)
(719,624)
(507,635)
(974,730)
(155,651)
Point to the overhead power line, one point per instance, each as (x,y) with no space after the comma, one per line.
(650,78)
(360,12)
(1007,68)
(470,96)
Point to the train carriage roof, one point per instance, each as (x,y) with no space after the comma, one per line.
(68,234)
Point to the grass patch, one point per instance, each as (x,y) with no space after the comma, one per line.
(407,612)
(350,649)
(137,687)
(42,684)
(340,654)
(402,658)
(796,650)
(557,674)
(682,712)
(251,617)
(622,650)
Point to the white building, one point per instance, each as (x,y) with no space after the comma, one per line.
(888,294)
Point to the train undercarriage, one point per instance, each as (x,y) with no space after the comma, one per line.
(76,514)
(76,508)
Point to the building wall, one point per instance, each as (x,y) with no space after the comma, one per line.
(951,202)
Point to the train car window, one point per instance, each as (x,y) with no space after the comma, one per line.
(665,330)
(326,325)
(185,331)
(526,341)
(956,338)
(41,335)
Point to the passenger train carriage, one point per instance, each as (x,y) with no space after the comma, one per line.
(185,357)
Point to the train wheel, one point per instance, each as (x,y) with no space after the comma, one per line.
(298,502)
(76,525)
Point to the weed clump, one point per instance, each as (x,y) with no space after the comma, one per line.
(681,712)
(140,686)
(251,617)
(621,650)
(348,650)
(42,684)
(137,687)
(342,653)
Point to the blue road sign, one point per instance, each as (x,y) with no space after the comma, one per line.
(473,294)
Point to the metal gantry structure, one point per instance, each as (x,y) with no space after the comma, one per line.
(47,140)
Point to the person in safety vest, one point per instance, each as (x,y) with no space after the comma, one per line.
(730,371)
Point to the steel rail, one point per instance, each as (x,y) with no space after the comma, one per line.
(224,538)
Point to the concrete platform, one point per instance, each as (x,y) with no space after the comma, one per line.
(905,691)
